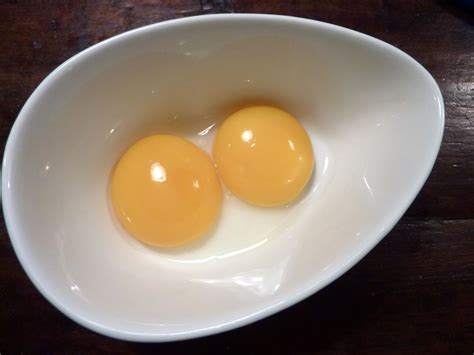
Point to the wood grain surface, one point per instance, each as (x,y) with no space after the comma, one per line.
(414,293)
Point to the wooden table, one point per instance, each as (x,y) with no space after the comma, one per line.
(414,293)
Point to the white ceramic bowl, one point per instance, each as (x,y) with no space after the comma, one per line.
(374,114)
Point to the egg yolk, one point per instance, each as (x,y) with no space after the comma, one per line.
(165,191)
(263,155)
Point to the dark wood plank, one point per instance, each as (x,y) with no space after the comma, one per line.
(414,293)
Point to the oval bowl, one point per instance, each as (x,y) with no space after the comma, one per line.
(374,114)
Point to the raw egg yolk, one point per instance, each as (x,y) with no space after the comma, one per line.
(263,155)
(165,191)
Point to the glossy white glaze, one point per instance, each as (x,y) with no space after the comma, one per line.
(375,117)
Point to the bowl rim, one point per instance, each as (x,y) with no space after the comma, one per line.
(298,295)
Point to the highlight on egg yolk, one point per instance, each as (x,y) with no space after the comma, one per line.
(165,191)
(263,155)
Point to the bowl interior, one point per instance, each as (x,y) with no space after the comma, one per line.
(374,115)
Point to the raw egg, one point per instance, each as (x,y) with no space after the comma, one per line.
(165,191)
(263,155)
